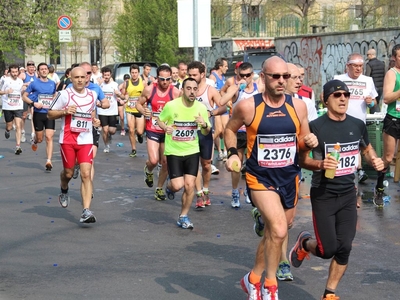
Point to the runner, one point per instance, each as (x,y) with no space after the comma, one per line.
(180,119)
(108,117)
(157,95)
(76,107)
(132,90)
(12,105)
(39,94)
(333,201)
(244,89)
(208,96)
(277,128)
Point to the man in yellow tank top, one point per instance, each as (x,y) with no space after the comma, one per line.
(132,91)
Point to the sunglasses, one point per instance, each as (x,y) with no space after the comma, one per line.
(30,64)
(245,75)
(88,73)
(164,78)
(277,76)
(339,94)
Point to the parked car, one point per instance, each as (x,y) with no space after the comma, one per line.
(120,69)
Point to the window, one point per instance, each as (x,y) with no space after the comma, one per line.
(55,53)
(95,51)
(358,12)
(250,18)
(94,13)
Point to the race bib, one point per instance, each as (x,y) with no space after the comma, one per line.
(109,96)
(81,122)
(184,131)
(357,89)
(46,100)
(14,99)
(154,121)
(276,151)
(348,160)
(131,104)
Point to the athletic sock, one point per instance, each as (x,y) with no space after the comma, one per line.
(381,178)
(254,278)
(270,282)
(64,191)
(328,292)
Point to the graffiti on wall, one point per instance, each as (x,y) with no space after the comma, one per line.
(254,44)
(322,58)
(209,55)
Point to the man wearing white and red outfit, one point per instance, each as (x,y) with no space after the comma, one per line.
(76,108)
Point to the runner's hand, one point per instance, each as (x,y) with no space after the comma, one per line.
(233,164)
(377,163)
(311,140)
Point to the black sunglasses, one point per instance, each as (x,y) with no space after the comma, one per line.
(30,64)
(88,73)
(164,78)
(277,76)
(245,75)
(339,94)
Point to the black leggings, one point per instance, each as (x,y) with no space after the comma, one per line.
(335,220)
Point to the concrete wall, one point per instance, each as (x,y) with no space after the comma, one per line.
(325,55)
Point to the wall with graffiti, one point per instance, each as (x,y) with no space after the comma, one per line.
(325,55)
(225,48)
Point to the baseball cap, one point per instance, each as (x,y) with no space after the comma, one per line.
(238,64)
(333,86)
(127,76)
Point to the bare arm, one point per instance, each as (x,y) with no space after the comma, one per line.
(143,99)
(388,87)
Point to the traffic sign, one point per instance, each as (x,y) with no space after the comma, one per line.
(64,22)
(64,36)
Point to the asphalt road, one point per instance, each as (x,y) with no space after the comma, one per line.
(136,251)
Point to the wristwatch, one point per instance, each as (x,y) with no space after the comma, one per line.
(211,113)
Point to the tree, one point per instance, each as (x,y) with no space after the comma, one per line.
(29,24)
(148,31)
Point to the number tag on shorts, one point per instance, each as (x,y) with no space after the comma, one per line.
(46,100)
(81,122)
(154,123)
(348,161)
(184,131)
(13,99)
(276,151)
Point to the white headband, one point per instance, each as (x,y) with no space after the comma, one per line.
(356,61)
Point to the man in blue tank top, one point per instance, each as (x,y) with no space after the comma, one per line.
(277,129)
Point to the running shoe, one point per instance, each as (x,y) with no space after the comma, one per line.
(29,116)
(206,198)
(330,297)
(220,155)
(48,165)
(253,291)
(184,222)
(378,197)
(76,172)
(362,176)
(23,137)
(247,199)
(297,254)
(34,145)
(160,195)
(270,292)
(200,201)
(122,131)
(133,153)
(140,138)
(148,177)
(235,203)
(107,149)
(258,224)
(87,216)
(7,134)
(214,170)
(170,194)
(18,150)
(283,272)
(63,199)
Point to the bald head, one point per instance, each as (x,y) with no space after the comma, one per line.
(371,53)
(294,82)
(78,78)
(274,62)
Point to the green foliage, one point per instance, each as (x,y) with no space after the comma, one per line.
(30,24)
(148,31)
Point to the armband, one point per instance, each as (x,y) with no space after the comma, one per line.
(232,151)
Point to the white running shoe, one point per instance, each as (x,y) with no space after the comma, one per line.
(214,170)
(23,137)
(253,291)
